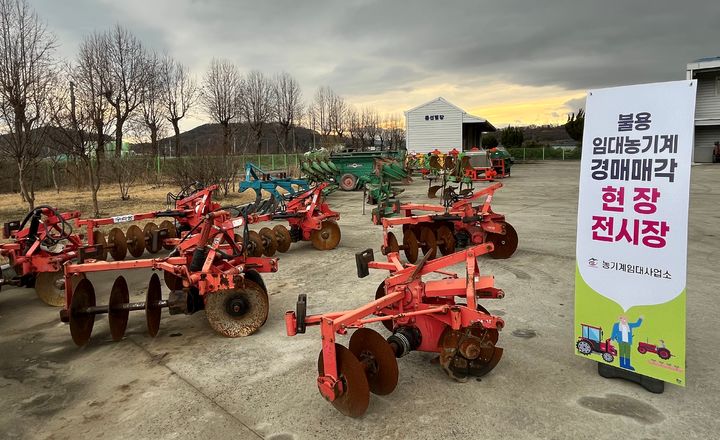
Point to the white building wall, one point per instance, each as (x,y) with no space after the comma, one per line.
(707,107)
(425,135)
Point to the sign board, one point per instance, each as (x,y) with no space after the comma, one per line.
(632,228)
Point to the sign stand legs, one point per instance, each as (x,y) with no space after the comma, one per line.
(651,384)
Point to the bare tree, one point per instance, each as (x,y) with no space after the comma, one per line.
(27,72)
(180,92)
(320,111)
(337,114)
(288,106)
(257,105)
(220,96)
(354,127)
(127,65)
(370,122)
(152,102)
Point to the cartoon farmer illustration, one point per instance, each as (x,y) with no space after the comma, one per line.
(622,334)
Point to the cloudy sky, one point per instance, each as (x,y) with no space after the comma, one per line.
(511,61)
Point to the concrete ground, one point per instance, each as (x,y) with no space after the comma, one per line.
(190,383)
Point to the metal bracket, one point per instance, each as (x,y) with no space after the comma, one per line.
(361,262)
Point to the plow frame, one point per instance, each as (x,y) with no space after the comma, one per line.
(413,298)
(307,210)
(215,239)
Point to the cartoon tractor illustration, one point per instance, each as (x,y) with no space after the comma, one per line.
(660,349)
(591,341)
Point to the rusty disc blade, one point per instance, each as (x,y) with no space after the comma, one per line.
(432,191)
(117,317)
(429,243)
(355,398)
(378,358)
(135,241)
(81,324)
(255,277)
(237,312)
(172,281)
(327,237)
(282,235)
(392,244)
(255,244)
(379,293)
(50,289)
(446,239)
(117,244)
(505,245)
(99,240)
(148,232)
(171,232)
(410,243)
(152,307)
(270,244)
(469,351)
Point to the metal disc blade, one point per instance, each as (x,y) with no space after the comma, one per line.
(429,243)
(99,240)
(148,232)
(171,232)
(379,293)
(378,358)
(505,245)
(135,241)
(81,324)
(117,244)
(49,288)
(410,243)
(254,246)
(392,244)
(152,307)
(282,235)
(327,237)
(269,241)
(468,351)
(355,398)
(172,281)
(432,191)
(446,239)
(117,317)
(237,312)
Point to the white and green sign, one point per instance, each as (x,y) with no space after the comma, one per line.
(632,228)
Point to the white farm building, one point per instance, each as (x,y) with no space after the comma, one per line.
(438,124)
(707,106)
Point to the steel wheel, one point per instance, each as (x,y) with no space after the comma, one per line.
(237,312)
(117,317)
(378,358)
(410,243)
(270,244)
(348,182)
(171,232)
(327,237)
(135,241)
(445,235)
(117,243)
(282,235)
(429,243)
(148,232)
(254,244)
(355,398)
(99,240)
(505,245)
(81,324)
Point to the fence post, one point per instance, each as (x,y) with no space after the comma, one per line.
(272,162)
(563,152)
(523,154)
(543,156)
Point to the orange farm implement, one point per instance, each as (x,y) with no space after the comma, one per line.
(441,316)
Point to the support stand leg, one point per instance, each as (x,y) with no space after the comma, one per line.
(651,384)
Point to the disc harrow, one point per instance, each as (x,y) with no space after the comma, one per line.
(207,270)
(439,316)
(309,218)
(454,226)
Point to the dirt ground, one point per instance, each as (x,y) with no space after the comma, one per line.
(191,383)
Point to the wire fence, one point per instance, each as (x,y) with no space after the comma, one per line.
(544,153)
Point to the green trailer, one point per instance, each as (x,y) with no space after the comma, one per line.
(352,170)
